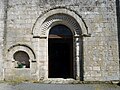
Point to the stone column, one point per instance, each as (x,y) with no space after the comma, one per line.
(77,58)
(43,60)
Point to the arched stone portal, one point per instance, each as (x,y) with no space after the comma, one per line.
(60,51)
(42,29)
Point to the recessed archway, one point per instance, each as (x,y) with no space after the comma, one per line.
(22,59)
(76,25)
(60,50)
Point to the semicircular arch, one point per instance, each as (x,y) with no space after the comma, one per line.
(59,16)
(15,48)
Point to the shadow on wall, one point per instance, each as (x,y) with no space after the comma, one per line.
(118,27)
(118,22)
(118,84)
(81,61)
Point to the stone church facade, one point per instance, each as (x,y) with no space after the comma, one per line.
(59,39)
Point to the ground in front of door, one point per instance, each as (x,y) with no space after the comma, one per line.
(38,86)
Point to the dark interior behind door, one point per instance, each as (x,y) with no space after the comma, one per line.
(60,58)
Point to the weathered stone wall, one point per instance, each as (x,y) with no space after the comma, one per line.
(1,37)
(22,15)
(102,47)
(100,51)
(118,24)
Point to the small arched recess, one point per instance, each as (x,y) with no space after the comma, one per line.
(26,69)
(17,52)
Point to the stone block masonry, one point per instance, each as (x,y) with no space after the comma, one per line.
(25,26)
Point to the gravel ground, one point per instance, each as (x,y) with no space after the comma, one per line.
(37,86)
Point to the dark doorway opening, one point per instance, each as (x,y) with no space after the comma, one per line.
(60,52)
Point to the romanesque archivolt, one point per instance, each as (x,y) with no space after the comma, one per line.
(59,16)
(60,19)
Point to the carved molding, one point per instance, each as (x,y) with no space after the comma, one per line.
(59,16)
